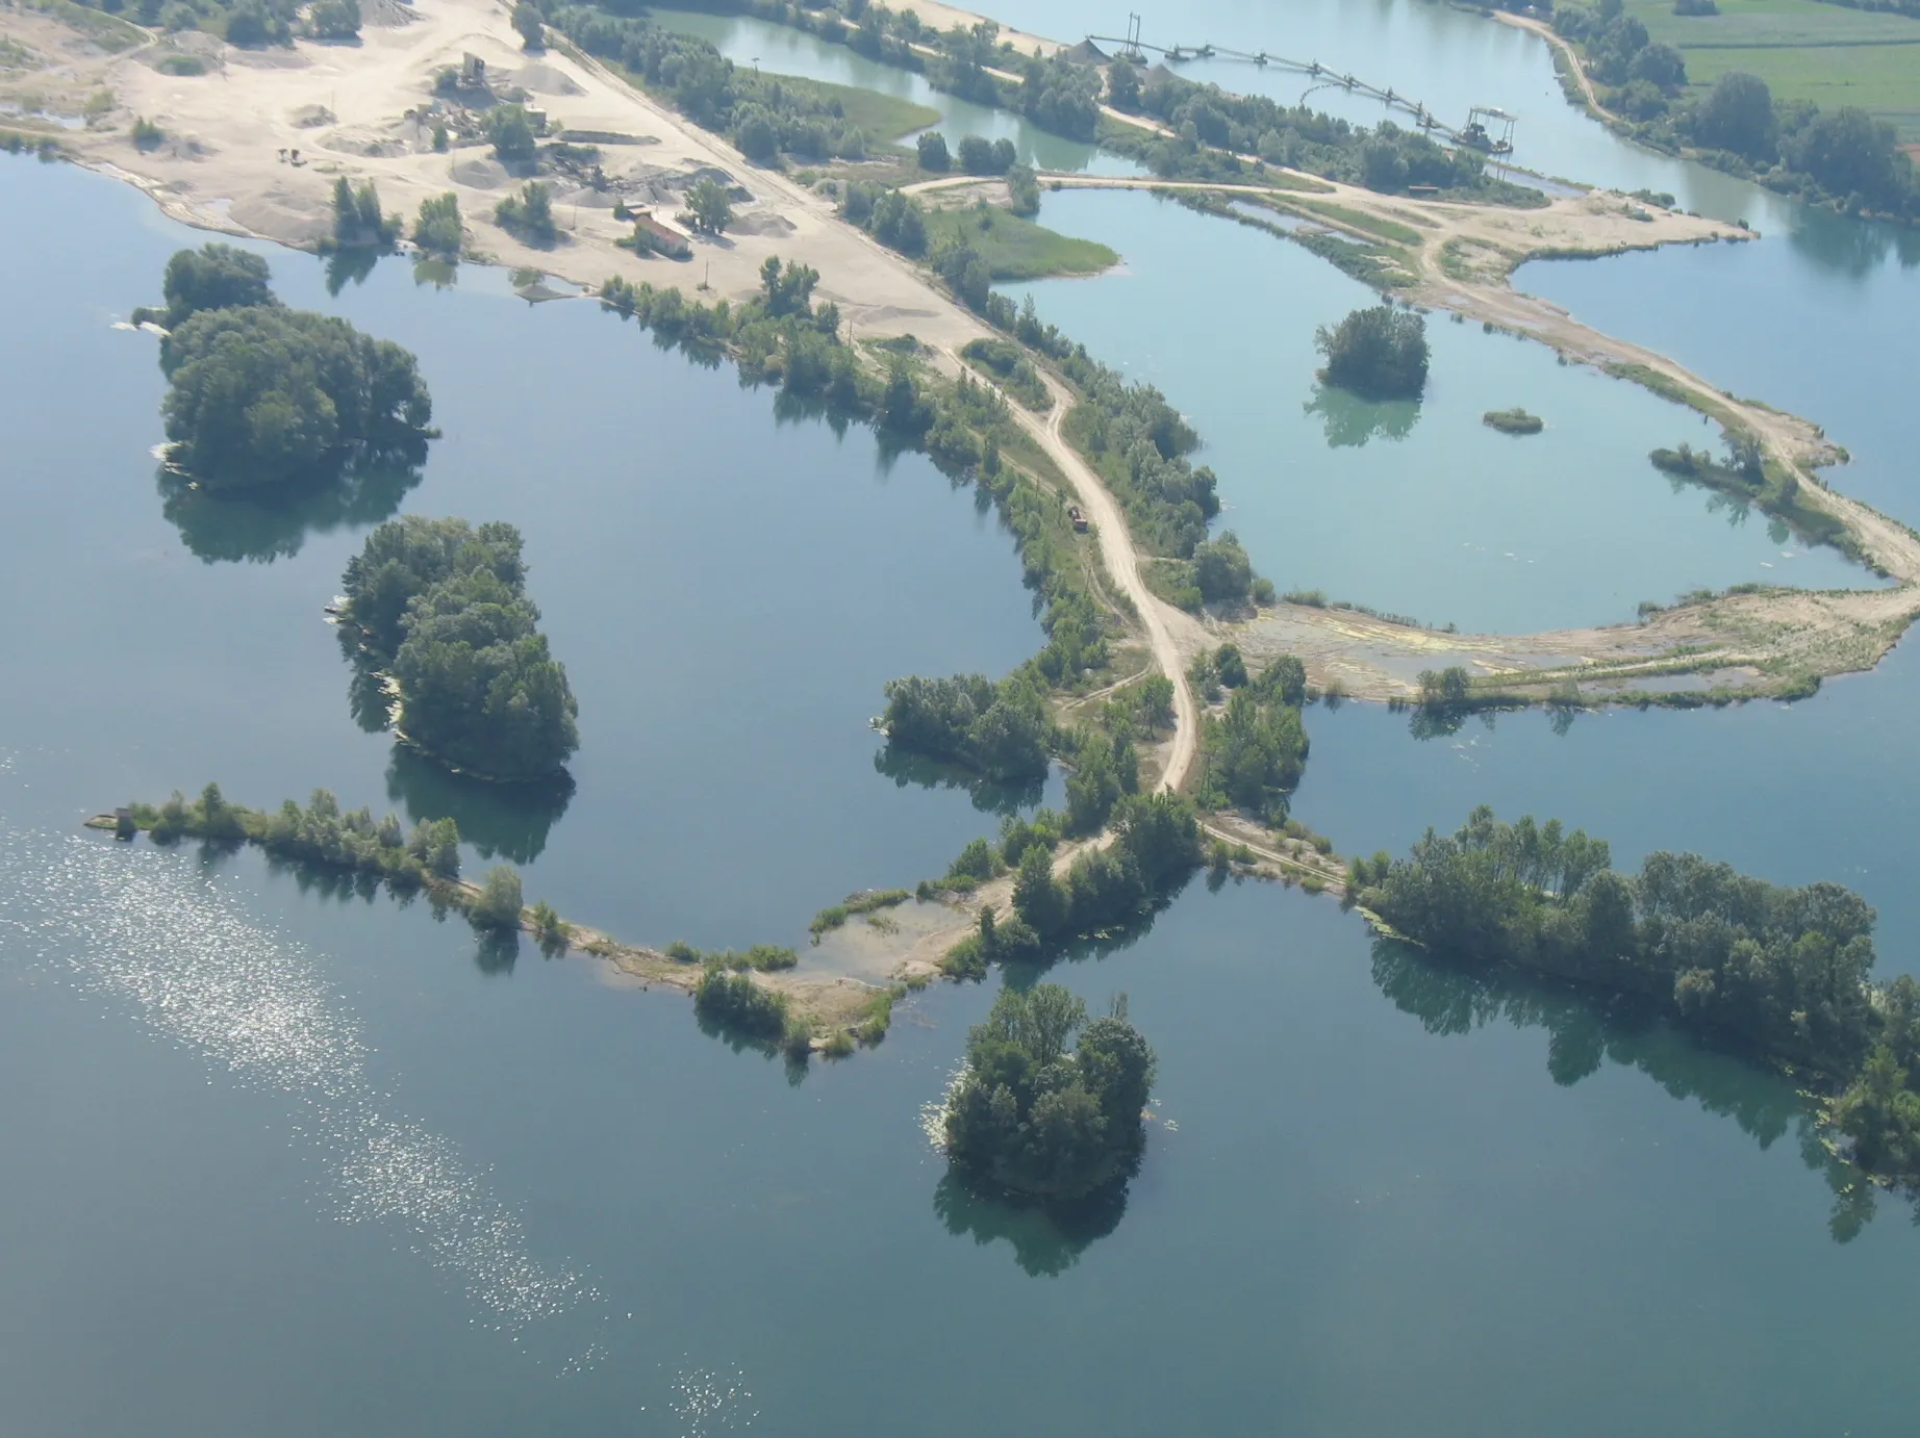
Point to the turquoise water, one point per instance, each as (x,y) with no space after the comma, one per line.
(1413,508)
(780,49)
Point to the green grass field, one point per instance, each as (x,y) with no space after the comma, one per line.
(884,118)
(1016,249)
(1804,50)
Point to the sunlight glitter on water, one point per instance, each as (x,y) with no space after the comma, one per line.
(146,930)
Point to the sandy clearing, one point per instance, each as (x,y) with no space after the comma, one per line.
(220,167)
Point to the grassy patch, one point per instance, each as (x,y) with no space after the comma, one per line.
(883,117)
(1391,230)
(1015,249)
(870,902)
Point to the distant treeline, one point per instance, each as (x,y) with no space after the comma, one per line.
(1844,156)
(781,337)
(1779,974)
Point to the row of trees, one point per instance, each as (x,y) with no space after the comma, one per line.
(320,835)
(1212,126)
(1844,155)
(999,730)
(442,608)
(263,395)
(1256,750)
(1782,974)
(765,116)
(1156,847)
(964,429)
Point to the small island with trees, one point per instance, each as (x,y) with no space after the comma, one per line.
(1378,353)
(1779,975)
(1513,421)
(1030,1115)
(264,396)
(439,609)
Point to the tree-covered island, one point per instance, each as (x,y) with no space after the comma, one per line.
(1030,1115)
(266,396)
(441,609)
(1781,975)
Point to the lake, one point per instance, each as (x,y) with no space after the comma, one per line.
(282,1162)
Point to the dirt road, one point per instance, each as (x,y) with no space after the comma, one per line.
(1159,620)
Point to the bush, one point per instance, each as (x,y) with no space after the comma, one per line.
(1222,571)
(438,231)
(529,215)
(734,1003)
(500,901)
(1513,421)
(335,19)
(933,152)
(511,130)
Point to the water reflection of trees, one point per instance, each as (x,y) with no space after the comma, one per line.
(264,526)
(1047,1238)
(1584,1031)
(1350,421)
(349,266)
(1854,248)
(989,796)
(506,821)
(1047,1235)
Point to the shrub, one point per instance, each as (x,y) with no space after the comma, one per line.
(500,901)
(734,1003)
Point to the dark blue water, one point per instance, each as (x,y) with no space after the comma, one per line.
(729,591)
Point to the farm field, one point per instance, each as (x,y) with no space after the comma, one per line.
(1804,50)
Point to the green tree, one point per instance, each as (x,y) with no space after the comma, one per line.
(335,19)
(531,25)
(443,607)
(1037,899)
(1032,1115)
(529,215)
(756,138)
(214,277)
(710,205)
(438,230)
(265,395)
(358,221)
(1737,115)
(1221,570)
(1380,353)
(500,901)
(511,131)
(933,153)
